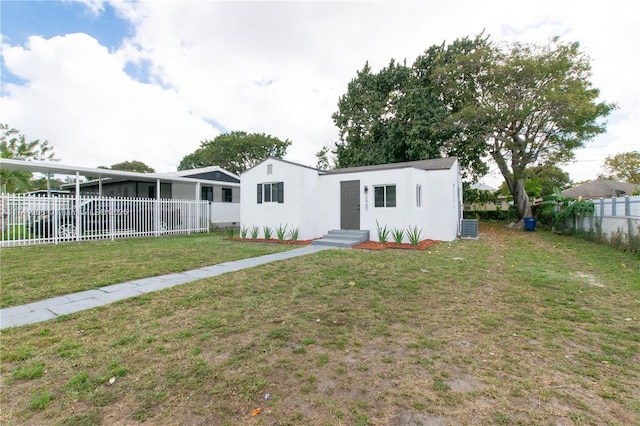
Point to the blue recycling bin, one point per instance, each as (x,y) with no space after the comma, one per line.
(529,224)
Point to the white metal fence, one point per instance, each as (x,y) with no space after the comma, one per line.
(29,219)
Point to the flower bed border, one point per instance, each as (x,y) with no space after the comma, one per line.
(374,245)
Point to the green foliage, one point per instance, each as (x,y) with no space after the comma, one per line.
(281,232)
(235,151)
(31,370)
(294,234)
(229,232)
(478,196)
(324,163)
(624,167)
(524,104)
(131,166)
(383,233)
(414,235)
(243,232)
(542,180)
(268,232)
(394,115)
(40,399)
(254,232)
(570,212)
(398,235)
(509,215)
(14,146)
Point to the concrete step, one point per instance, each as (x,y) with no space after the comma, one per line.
(334,242)
(342,238)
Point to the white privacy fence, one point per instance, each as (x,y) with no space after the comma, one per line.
(617,218)
(30,219)
(225,214)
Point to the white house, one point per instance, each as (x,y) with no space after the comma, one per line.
(425,194)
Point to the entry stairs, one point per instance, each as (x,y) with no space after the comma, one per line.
(342,238)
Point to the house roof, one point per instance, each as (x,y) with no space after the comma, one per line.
(202,171)
(281,160)
(62,169)
(600,188)
(433,164)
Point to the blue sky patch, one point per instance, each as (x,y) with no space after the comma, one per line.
(20,20)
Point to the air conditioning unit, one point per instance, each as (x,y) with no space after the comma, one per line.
(469,228)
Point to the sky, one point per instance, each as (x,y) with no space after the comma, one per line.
(112,81)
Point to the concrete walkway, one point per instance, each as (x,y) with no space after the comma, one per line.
(51,308)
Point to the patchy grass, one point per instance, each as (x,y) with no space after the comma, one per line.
(507,329)
(34,273)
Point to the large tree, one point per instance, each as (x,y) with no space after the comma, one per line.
(13,145)
(130,166)
(523,104)
(394,115)
(624,167)
(235,151)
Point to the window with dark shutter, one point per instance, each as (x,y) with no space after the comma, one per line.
(280,192)
(259,193)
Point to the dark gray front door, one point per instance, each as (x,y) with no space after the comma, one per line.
(350,204)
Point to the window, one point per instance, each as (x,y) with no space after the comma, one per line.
(269,169)
(271,192)
(206,193)
(227,195)
(385,196)
(418,195)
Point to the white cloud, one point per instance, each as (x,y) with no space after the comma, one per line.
(92,113)
(279,68)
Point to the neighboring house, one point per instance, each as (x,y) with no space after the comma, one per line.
(216,184)
(600,188)
(426,194)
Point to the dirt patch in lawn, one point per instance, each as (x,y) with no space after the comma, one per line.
(374,245)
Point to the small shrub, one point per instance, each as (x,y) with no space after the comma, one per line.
(268,232)
(566,218)
(383,233)
(398,235)
(229,232)
(414,235)
(254,232)
(281,232)
(294,234)
(243,232)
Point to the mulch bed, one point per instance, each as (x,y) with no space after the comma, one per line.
(367,245)
(373,245)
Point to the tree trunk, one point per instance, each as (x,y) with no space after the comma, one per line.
(521,199)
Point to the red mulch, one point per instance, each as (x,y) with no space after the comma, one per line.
(373,245)
(272,240)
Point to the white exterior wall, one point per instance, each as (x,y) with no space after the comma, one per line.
(312,201)
(437,218)
(300,198)
(184,191)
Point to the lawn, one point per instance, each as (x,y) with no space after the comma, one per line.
(33,273)
(512,328)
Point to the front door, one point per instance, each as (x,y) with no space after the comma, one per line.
(350,204)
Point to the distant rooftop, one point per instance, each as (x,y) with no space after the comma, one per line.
(600,188)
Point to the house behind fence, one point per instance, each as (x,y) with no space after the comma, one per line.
(32,219)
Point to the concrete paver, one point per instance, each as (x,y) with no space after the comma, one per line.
(63,305)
